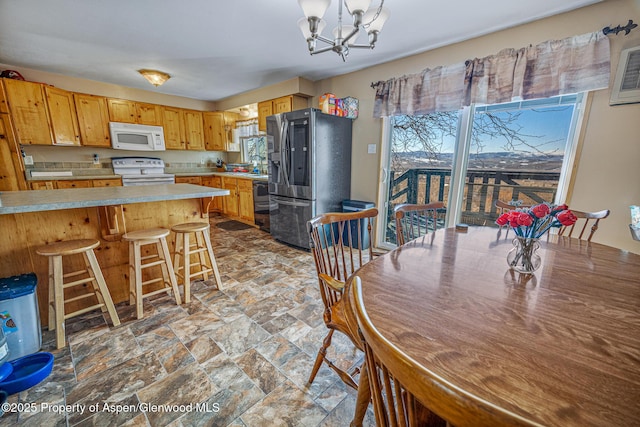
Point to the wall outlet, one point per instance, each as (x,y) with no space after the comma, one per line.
(203,161)
(96,159)
(28,160)
(371,149)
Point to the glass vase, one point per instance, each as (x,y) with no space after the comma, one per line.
(524,256)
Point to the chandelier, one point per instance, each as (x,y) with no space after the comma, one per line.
(367,19)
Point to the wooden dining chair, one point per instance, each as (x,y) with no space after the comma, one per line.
(586,225)
(341,243)
(405,393)
(415,220)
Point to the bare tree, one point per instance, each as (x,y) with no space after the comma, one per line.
(424,135)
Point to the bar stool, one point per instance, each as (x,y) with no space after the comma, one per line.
(137,239)
(184,250)
(57,315)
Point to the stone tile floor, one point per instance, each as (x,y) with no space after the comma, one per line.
(239,356)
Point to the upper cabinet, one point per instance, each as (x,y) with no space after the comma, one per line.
(125,111)
(284,104)
(173,128)
(218,130)
(193,129)
(28,110)
(93,120)
(214,133)
(62,111)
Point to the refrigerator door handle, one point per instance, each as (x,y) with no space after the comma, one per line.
(284,150)
(288,203)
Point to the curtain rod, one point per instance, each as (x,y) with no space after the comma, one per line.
(627,28)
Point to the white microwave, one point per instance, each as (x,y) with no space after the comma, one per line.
(128,136)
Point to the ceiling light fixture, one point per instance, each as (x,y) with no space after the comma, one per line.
(155,77)
(369,20)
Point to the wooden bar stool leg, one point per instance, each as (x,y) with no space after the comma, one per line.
(59,300)
(91,271)
(167,269)
(186,252)
(201,255)
(52,298)
(176,256)
(132,274)
(138,278)
(105,297)
(214,265)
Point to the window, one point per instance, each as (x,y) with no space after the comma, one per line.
(518,151)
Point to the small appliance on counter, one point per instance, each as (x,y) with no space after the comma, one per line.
(141,171)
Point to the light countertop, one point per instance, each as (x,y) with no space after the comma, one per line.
(49,200)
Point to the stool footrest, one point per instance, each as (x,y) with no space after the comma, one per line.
(75,273)
(78,298)
(156,292)
(82,311)
(156,280)
(146,257)
(78,282)
(151,264)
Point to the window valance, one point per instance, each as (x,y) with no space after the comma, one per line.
(556,67)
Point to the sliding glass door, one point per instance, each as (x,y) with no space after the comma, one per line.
(519,152)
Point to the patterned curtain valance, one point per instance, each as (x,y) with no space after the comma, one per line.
(556,67)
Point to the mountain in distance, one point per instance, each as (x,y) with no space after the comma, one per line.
(506,160)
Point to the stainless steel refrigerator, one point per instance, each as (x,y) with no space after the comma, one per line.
(309,163)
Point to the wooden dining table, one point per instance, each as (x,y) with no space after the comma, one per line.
(559,347)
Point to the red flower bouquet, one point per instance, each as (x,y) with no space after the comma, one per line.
(533,222)
(529,224)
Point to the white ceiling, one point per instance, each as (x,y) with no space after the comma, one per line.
(214,49)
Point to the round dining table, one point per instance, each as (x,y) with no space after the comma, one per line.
(559,347)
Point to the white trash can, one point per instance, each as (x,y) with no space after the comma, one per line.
(19,315)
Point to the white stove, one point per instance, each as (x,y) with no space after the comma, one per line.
(141,171)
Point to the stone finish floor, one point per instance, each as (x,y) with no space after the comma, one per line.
(242,353)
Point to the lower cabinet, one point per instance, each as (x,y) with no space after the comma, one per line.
(216,204)
(75,183)
(239,203)
(189,180)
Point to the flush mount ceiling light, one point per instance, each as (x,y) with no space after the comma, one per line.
(369,20)
(155,77)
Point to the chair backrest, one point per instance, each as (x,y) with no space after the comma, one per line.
(405,393)
(341,242)
(413,221)
(586,225)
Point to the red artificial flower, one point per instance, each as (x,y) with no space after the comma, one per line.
(513,218)
(503,219)
(524,218)
(540,211)
(566,217)
(562,207)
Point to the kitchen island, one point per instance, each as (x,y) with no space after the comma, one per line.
(29,219)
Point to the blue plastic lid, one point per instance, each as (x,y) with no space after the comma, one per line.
(17,286)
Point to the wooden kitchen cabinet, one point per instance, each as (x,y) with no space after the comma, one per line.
(173,128)
(28,112)
(239,203)
(230,205)
(64,120)
(193,129)
(188,180)
(218,131)
(214,133)
(216,204)
(42,185)
(284,104)
(76,183)
(93,120)
(125,111)
(109,182)
(11,169)
(245,200)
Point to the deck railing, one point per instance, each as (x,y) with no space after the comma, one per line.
(482,189)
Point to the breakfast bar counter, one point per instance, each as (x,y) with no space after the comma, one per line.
(29,219)
(49,200)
